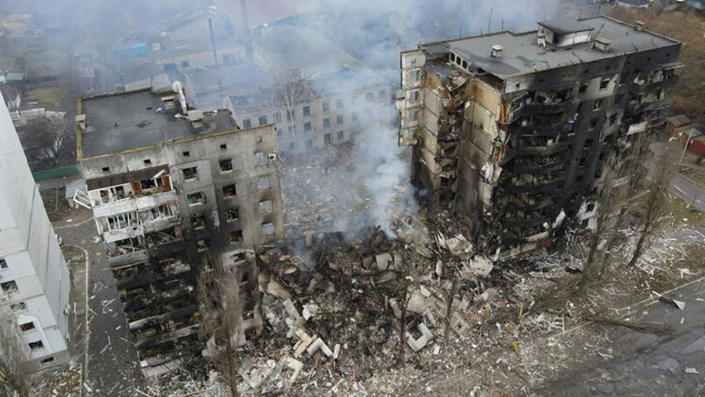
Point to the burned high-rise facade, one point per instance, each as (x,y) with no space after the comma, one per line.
(513,130)
(169,187)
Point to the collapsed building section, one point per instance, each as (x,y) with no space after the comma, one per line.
(167,184)
(514,130)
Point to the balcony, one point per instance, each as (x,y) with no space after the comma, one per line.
(155,200)
(114,207)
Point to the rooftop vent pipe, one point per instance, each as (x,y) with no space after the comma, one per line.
(496,51)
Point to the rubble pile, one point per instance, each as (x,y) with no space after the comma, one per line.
(312,194)
(334,313)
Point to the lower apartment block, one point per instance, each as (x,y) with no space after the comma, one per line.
(513,130)
(168,186)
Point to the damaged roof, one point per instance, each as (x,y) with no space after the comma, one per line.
(521,53)
(129,120)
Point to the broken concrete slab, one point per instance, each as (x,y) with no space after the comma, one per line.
(318,344)
(383,261)
(420,342)
(478,266)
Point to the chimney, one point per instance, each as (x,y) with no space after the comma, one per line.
(602,44)
(496,51)
(639,25)
(541,38)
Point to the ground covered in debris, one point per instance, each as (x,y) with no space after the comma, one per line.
(470,327)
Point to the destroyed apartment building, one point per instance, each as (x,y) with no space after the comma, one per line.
(514,130)
(168,184)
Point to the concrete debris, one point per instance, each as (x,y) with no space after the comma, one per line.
(478,266)
(419,343)
(679,304)
(691,370)
(318,344)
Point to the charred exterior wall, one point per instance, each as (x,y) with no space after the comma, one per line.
(517,155)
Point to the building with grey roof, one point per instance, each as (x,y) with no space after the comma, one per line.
(513,130)
(169,185)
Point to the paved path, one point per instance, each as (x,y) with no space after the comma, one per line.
(113,369)
(646,364)
(689,191)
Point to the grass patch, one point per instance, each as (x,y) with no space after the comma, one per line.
(55,203)
(50,96)
(74,256)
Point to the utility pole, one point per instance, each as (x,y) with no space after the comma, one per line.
(246,30)
(215,52)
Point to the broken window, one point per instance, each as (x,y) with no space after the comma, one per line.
(307,111)
(355,117)
(414,96)
(413,115)
(291,115)
(259,139)
(223,146)
(197,198)
(277,117)
(583,87)
(198,221)
(27,326)
(340,135)
(339,119)
(232,214)
(338,103)
(229,190)
(263,183)
(203,245)
(3,264)
(325,106)
(604,83)
(190,173)
(292,145)
(262,120)
(597,104)
(38,345)
(370,96)
(415,75)
(47,360)
(265,207)
(186,153)
(382,94)
(280,132)
(307,126)
(327,139)
(235,236)
(326,123)
(8,287)
(309,144)
(613,118)
(593,122)
(226,165)
(106,169)
(267,229)
(247,123)
(18,307)
(260,159)
(147,161)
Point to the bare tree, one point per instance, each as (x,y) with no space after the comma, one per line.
(291,89)
(13,353)
(656,205)
(605,204)
(222,309)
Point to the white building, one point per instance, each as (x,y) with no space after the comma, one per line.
(34,278)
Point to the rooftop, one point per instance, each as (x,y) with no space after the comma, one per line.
(522,54)
(129,120)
